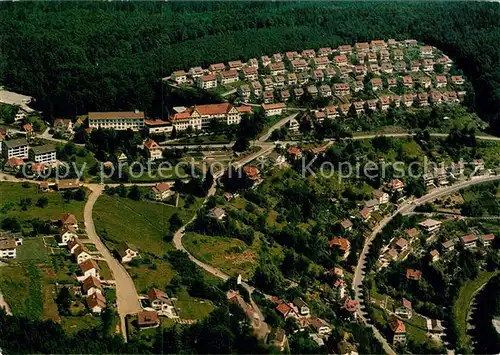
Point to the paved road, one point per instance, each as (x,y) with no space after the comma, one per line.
(407,207)
(126,294)
(277,125)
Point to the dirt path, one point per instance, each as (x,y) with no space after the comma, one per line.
(126,294)
(4,305)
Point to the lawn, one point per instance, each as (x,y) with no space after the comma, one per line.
(12,193)
(231,255)
(105,271)
(462,305)
(21,288)
(416,328)
(192,308)
(141,223)
(72,324)
(33,249)
(146,278)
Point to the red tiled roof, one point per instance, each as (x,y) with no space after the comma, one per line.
(413,274)
(151,144)
(161,187)
(88,264)
(341,243)
(273,106)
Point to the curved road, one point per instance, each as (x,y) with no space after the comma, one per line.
(407,207)
(126,294)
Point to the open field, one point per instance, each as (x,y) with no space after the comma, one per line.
(72,324)
(146,278)
(12,193)
(105,271)
(141,223)
(416,328)
(231,255)
(32,249)
(21,288)
(465,296)
(192,308)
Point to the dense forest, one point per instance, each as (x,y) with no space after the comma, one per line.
(75,57)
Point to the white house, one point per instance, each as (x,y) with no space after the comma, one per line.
(7,248)
(127,252)
(161,303)
(92,285)
(96,302)
(15,148)
(430,225)
(161,191)
(89,268)
(274,109)
(81,254)
(66,233)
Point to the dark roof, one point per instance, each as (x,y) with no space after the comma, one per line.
(122,248)
(41,149)
(14,143)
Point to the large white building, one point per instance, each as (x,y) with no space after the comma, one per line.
(199,117)
(15,148)
(42,154)
(117,120)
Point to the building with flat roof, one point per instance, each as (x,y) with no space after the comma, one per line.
(43,154)
(121,121)
(17,148)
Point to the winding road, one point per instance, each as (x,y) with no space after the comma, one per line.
(407,207)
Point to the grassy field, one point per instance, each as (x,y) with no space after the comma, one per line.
(73,324)
(462,305)
(416,328)
(21,288)
(105,271)
(230,255)
(146,278)
(32,249)
(12,193)
(192,308)
(141,223)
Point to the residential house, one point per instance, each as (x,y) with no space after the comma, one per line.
(160,302)
(298,92)
(217,213)
(208,81)
(325,91)
(398,54)
(265,60)
(250,73)
(285,95)
(428,65)
(408,81)
(434,255)
(377,45)
(252,173)
(423,99)
(217,67)
(392,82)
(120,121)
(415,66)
(68,219)
(179,76)
(340,60)
(256,88)
(404,309)
(277,57)
(346,225)
(274,109)
(350,305)
(396,185)
(277,68)
(321,327)
(376,84)
(331,112)
(434,326)
(426,51)
(299,65)
(372,205)
(487,239)
(469,241)
(81,253)
(292,55)
(365,214)
(441,81)
(345,49)
(92,285)
(362,47)
(374,68)
(430,225)
(235,65)
(15,148)
(96,302)
(398,331)
(342,244)
(326,51)
(196,72)
(457,79)
(301,306)
(66,233)
(385,102)
(384,55)
(341,89)
(425,82)
(308,53)
(400,67)
(88,268)
(318,75)
(279,81)
(227,77)
(286,311)
(244,92)
(411,42)
(292,79)
(153,149)
(401,245)
(126,252)
(253,62)
(358,86)
(412,233)
(295,153)
(63,127)
(372,57)
(312,90)
(436,97)
(321,62)
(449,245)
(148,319)
(7,248)
(412,274)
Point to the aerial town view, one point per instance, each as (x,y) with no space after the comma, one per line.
(250,177)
